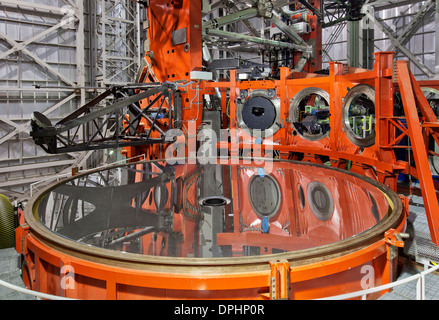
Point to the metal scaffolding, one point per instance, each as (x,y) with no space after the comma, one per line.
(51,55)
(407,27)
(70,48)
(118,36)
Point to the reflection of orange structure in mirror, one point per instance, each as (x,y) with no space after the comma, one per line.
(264,217)
(351,204)
(267,213)
(150,227)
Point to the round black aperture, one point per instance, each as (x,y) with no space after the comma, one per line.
(320,201)
(258,113)
(265,196)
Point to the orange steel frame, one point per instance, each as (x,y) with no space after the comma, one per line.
(378,161)
(276,279)
(315,37)
(42,261)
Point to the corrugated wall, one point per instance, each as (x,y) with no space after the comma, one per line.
(58,45)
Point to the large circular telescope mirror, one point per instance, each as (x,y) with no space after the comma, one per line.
(154,212)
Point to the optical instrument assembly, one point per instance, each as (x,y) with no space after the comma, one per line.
(295,195)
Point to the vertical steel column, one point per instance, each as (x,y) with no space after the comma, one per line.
(92,22)
(233,94)
(335,69)
(283,97)
(354,44)
(367,47)
(383,95)
(383,111)
(80,50)
(437,41)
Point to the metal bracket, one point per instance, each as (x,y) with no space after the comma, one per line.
(279,279)
(395,241)
(20,234)
(394,238)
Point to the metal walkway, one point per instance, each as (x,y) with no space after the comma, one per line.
(420,249)
(419,245)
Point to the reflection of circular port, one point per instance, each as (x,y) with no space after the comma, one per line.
(320,200)
(359,115)
(309,113)
(264,195)
(215,201)
(301,197)
(259,115)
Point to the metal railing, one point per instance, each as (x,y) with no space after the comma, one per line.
(419,278)
(32,292)
(420,287)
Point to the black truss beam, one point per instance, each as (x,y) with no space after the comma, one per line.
(104,127)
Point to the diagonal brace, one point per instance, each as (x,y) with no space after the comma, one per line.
(43,64)
(419,151)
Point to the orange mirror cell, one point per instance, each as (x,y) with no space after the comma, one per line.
(148,226)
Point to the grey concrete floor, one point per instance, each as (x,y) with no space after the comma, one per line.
(9,272)
(421,249)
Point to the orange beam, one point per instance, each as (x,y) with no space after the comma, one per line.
(419,150)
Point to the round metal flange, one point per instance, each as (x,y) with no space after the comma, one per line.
(264,195)
(259,115)
(354,103)
(320,200)
(295,113)
(214,201)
